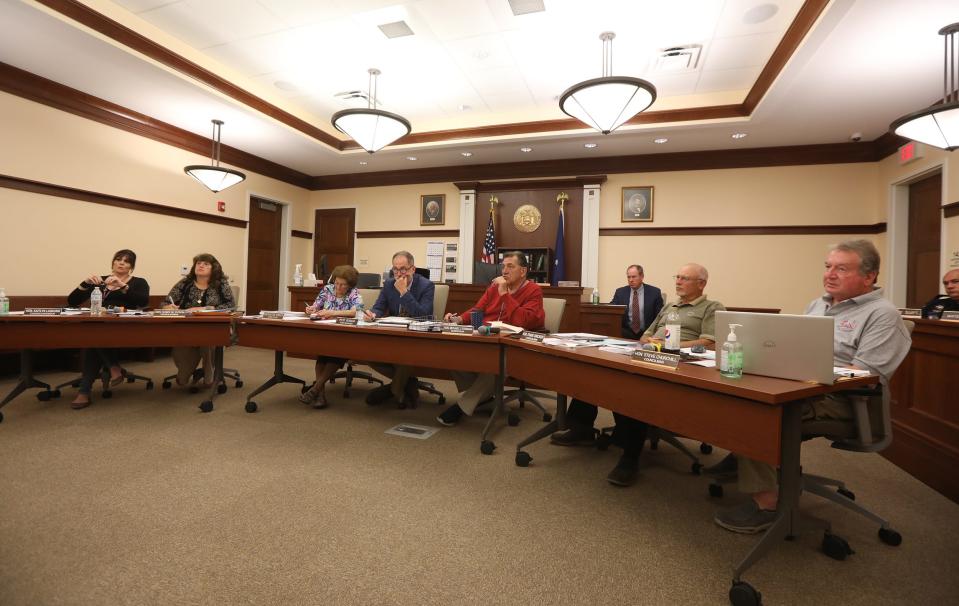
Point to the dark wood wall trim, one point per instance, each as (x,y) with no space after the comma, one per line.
(85,15)
(950,210)
(47,92)
(422,233)
(60,191)
(746,230)
(836,153)
(296,233)
(575,183)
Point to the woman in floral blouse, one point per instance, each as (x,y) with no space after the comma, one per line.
(205,287)
(337,299)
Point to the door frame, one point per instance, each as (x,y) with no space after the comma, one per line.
(897,229)
(285,230)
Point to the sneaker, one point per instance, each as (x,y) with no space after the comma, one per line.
(727,469)
(379,395)
(450,416)
(575,436)
(747,518)
(625,472)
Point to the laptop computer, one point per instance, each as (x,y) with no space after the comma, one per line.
(783,346)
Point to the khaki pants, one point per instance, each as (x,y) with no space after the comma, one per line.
(187,359)
(399,374)
(475,389)
(755,476)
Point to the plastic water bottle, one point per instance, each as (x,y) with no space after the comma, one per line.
(731,357)
(298,275)
(595,298)
(96,301)
(360,310)
(4,303)
(674,331)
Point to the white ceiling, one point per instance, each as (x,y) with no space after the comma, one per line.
(864,63)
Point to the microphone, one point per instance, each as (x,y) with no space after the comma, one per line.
(487,330)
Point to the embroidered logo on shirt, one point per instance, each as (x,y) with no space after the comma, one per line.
(846,326)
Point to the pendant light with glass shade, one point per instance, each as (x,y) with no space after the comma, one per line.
(373,129)
(938,125)
(215,177)
(606,103)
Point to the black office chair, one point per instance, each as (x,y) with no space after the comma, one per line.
(368,281)
(106,392)
(349,373)
(195,379)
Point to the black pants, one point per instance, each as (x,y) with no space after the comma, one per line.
(93,361)
(629,433)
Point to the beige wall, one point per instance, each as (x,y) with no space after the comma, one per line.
(49,244)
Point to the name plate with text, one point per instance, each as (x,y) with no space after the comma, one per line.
(657,358)
(458,329)
(347,321)
(42,311)
(950,315)
(175,313)
(910,313)
(425,326)
(535,337)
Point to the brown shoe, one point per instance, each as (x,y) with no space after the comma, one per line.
(77,403)
(320,402)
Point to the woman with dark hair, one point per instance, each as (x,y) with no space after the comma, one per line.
(205,287)
(120,289)
(339,298)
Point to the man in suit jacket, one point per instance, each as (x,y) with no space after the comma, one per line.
(406,294)
(642,301)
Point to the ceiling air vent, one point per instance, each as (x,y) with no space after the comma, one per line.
(525,7)
(678,58)
(397,29)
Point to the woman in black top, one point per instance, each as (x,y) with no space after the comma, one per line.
(120,289)
(205,287)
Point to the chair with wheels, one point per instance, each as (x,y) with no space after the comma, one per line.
(369,296)
(553,309)
(440,296)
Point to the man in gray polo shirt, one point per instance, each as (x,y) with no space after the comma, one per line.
(869,335)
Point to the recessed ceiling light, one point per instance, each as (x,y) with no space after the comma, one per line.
(660,140)
(739,135)
(397,29)
(466,154)
(525,7)
(590,145)
(364,162)
(411,158)
(465,108)
(760,13)
(526,150)
(285,85)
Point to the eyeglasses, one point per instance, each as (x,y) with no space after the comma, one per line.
(401,270)
(685,278)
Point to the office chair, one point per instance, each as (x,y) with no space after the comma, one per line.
(553,309)
(423,272)
(368,281)
(440,296)
(106,393)
(871,408)
(369,297)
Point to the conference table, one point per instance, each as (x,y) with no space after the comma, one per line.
(758,417)
(27,333)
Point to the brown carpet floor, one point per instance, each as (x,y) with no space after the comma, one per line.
(141,499)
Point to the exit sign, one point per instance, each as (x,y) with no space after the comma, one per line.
(909,152)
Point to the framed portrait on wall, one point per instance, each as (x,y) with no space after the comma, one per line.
(433,209)
(638,203)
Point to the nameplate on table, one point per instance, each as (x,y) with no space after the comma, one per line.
(535,337)
(272,315)
(171,313)
(458,329)
(950,315)
(426,326)
(656,358)
(347,321)
(42,311)
(910,313)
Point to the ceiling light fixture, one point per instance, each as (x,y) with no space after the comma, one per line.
(606,103)
(661,140)
(411,158)
(938,125)
(590,145)
(739,135)
(214,177)
(466,154)
(372,128)
(526,150)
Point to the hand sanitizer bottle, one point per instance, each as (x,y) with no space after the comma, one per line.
(298,275)
(594,299)
(360,310)
(674,332)
(4,303)
(731,357)
(96,301)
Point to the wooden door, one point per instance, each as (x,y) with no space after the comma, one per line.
(263,255)
(333,233)
(925,219)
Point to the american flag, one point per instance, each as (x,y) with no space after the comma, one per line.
(489,244)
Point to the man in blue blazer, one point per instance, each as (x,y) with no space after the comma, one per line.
(644,305)
(406,294)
